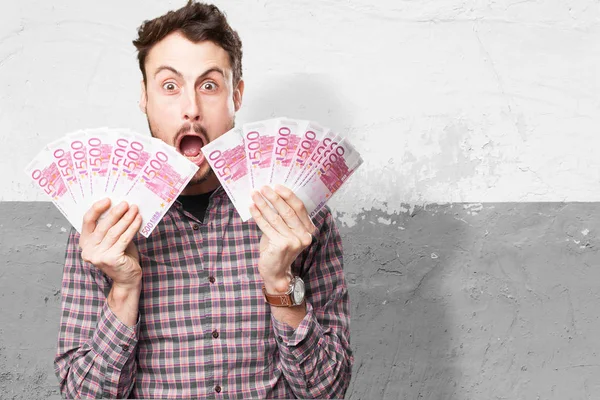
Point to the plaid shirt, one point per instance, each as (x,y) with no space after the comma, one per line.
(204,328)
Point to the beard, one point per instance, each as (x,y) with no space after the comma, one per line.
(201,177)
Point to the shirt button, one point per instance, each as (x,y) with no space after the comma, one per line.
(195,227)
(218,389)
(215,334)
(211,279)
(124,347)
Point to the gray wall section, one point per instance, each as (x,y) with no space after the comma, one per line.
(448,302)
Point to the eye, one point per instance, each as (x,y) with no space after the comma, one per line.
(210,86)
(169,86)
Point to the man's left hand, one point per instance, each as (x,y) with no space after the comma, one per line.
(287,231)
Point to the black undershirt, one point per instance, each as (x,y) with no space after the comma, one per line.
(196,204)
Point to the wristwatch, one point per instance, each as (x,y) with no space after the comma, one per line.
(293,297)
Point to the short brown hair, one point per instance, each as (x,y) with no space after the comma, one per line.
(197,22)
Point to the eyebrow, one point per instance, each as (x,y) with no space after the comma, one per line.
(180,75)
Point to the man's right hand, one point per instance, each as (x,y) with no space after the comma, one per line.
(108,243)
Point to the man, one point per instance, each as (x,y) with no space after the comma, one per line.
(202,307)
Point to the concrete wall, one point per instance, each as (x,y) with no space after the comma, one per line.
(470,232)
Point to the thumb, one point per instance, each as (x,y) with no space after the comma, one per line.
(132,250)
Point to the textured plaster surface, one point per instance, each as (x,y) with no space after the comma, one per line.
(492,301)
(470,261)
(449,101)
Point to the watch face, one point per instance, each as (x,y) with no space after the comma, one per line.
(298,291)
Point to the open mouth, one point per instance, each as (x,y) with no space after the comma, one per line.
(189,146)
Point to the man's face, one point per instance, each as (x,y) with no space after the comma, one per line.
(189,100)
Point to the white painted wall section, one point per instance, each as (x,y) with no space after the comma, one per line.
(453,101)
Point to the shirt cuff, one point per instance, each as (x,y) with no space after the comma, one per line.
(296,345)
(113,340)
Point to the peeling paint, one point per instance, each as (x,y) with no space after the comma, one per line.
(384,221)
(473,208)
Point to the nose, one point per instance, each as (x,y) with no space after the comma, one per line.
(191,106)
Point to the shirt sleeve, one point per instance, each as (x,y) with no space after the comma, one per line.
(96,352)
(316,357)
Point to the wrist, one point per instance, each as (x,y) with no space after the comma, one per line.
(132,282)
(123,291)
(277,285)
(124,302)
(124,296)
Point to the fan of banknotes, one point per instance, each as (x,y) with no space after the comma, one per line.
(88,165)
(304,156)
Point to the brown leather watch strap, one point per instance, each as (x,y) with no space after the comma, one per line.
(278,300)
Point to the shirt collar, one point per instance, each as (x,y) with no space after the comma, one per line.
(217,194)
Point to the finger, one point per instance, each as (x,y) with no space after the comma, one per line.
(91,216)
(287,213)
(112,217)
(126,237)
(271,216)
(114,233)
(263,224)
(294,202)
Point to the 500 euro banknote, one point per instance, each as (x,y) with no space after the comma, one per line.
(340,164)
(99,144)
(78,149)
(85,166)
(60,151)
(313,135)
(131,153)
(227,157)
(165,174)
(258,144)
(317,157)
(45,173)
(288,134)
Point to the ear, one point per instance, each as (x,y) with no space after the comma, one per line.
(143,98)
(238,94)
